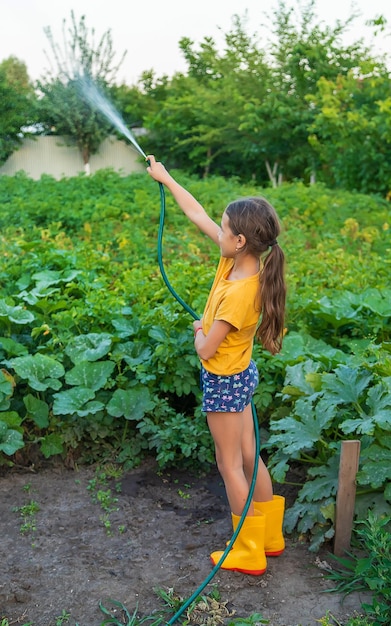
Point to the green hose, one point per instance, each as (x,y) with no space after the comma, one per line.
(160,254)
(214,571)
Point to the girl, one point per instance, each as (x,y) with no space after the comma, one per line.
(249,284)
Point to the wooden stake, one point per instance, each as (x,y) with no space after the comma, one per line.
(346,495)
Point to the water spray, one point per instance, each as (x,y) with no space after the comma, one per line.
(97,100)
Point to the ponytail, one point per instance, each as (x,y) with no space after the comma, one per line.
(273,296)
(257,220)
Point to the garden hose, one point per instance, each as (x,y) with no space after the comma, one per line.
(160,254)
(214,571)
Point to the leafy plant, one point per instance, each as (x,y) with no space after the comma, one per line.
(63,618)
(11,439)
(369,568)
(327,407)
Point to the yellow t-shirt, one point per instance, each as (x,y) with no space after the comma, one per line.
(235,302)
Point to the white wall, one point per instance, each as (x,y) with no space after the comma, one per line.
(53,155)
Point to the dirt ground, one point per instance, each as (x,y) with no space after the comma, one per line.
(76,551)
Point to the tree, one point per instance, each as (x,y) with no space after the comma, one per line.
(351,132)
(63,109)
(198,122)
(16,105)
(303,52)
(249,111)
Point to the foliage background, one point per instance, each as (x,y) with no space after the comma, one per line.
(97,357)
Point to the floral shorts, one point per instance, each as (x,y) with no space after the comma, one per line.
(228,394)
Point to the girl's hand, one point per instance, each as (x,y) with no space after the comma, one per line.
(197,324)
(157,170)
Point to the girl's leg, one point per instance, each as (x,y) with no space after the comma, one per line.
(263,490)
(227,431)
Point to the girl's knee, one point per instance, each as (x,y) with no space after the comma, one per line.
(248,459)
(229,471)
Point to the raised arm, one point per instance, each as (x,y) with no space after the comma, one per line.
(189,205)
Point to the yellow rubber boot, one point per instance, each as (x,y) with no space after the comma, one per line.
(247,554)
(274,514)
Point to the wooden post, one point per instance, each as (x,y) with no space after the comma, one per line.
(346,495)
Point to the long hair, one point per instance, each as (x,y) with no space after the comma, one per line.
(257,220)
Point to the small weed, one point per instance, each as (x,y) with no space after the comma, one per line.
(330,620)
(106,524)
(120,616)
(27,513)
(63,618)
(170,599)
(104,496)
(205,521)
(92,484)
(113,471)
(106,500)
(183,495)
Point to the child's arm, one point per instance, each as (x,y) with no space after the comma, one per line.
(206,345)
(189,205)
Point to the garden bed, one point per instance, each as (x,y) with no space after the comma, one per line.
(93,536)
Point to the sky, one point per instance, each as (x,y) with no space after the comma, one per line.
(150,31)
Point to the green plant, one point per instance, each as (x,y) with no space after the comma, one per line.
(182,494)
(105,497)
(27,512)
(106,524)
(106,500)
(369,569)
(325,407)
(124,618)
(171,600)
(330,620)
(63,618)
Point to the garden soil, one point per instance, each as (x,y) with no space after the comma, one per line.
(78,555)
